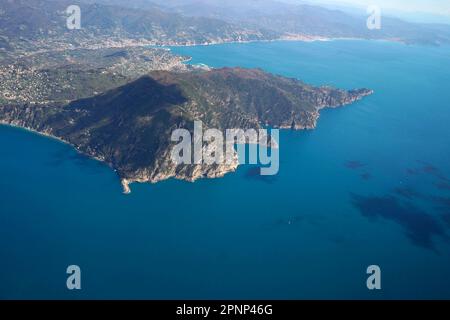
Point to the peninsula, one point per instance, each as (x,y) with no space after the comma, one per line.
(129,126)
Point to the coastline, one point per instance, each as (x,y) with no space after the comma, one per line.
(56,139)
(282,39)
(125,182)
(166,46)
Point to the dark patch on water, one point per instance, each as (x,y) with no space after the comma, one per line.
(428,168)
(354,165)
(442,185)
(440,180)
(366,176)
(419,226)
(443,202)
(446,218)
(433,171)
(412,172)
(408,193)
(254,173)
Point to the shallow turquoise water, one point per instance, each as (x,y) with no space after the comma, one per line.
(369,186)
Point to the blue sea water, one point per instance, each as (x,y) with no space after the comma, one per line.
(369,186)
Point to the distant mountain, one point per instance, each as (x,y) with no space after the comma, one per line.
(27,25)
(129,127)
(45,21)
(308,20)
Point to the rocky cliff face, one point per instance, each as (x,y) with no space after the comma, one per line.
(130,127)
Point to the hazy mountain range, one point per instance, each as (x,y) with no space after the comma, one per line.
(34,22)
(302,19)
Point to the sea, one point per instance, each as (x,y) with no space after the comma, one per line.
(370,186)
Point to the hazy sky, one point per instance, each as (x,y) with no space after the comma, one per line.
(441,7)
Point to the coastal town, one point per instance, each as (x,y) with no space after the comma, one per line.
(66,75)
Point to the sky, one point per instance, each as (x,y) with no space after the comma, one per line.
(415,9)
(426,6)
